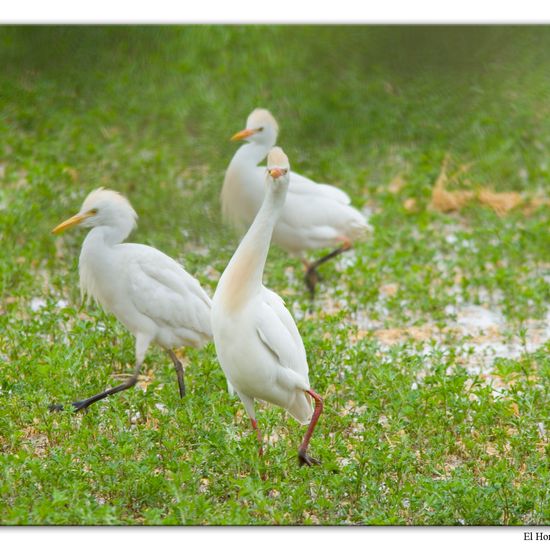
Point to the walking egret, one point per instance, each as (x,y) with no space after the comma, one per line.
(257,342)
(146,290)
(314,216)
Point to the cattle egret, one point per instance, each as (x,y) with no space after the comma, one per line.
(257,342)
(146,290)
(314,216)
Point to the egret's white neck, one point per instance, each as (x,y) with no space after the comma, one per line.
(250,153)
(96,259)
(107,235)
(243,276)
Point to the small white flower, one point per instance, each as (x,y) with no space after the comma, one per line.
(161,407)
(37,303)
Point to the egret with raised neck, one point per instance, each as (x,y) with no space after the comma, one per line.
(257,342)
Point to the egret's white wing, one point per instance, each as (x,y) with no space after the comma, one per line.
(315,221)
(161,289)
(304,186)
(300,185)
(279,333)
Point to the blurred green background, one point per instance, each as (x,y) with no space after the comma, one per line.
(356,104)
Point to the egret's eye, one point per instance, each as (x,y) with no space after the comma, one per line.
(261,129)
(93,211)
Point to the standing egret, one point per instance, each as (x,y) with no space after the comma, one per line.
(314,216)
(146,290)
(257,342)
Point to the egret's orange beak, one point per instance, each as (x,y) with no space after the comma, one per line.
(75,220)
(243,134)
(275,173)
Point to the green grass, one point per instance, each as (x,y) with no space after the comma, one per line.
(412,433)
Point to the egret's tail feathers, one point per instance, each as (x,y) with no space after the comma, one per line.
(360,229)
(301,408)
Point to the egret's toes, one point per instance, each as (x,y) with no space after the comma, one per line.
(79,405)
(304,458)
(56,407)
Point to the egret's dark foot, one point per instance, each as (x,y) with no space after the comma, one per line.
(304,458)
(77,406)
(80,405)
(181,386)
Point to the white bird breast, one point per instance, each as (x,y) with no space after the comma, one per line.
(245,361)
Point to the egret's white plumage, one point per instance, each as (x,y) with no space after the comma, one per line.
(258,344)
(146,290)
(314,216)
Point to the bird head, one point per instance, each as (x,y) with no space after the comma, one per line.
(261,128)
(103,207)
(278,168)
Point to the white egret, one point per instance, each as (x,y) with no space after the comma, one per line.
(257,342)
(314,216)
(146,290)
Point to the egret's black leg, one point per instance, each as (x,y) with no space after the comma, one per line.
(85,403)
(179,372)
(258,435)
(312,277)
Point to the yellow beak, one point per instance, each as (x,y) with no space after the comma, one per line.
(275,173)
(75,220)
(243,134)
